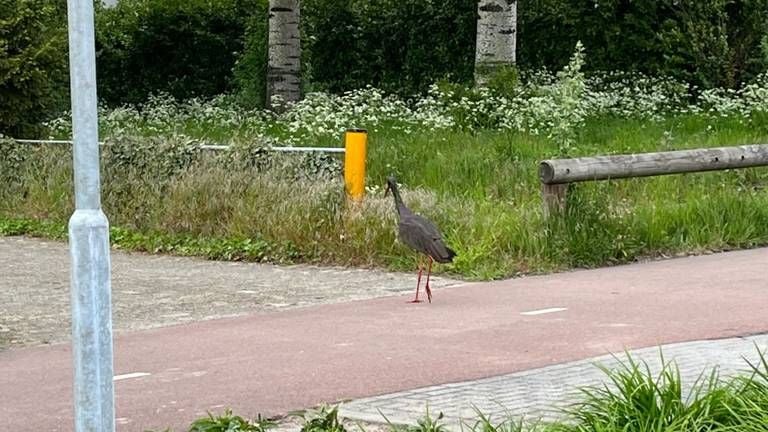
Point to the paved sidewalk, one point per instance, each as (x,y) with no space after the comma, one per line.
(541,393)
(150,291)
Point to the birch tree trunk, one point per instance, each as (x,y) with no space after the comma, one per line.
(496,41)
(284,65)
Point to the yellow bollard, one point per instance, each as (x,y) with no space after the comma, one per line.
(355,145)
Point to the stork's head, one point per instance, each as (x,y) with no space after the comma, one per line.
(391,185)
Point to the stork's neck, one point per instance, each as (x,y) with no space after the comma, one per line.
(401,208)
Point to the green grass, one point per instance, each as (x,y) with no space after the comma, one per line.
(229,422)
(637,400)
(481,189)
(324,419)
(632,399)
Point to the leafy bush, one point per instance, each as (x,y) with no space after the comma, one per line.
(764,48)
(539,104)
(13,157)
(504,80)
(156,160)
(309,166)
(747,29)
(206,47)
(14,164)
(399,45)
(181,47)
(709,43)
(250,71)
(33,61)
(404,46)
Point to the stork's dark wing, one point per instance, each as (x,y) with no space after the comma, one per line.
(421,234)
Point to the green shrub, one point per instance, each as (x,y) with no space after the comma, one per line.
(156,160)
(208,47)
(405,46)
(251,68)
(33,61)
(708,43)
(13,160)
(747,29)
(180,47)
(764,48)
(504,81)
(402,46)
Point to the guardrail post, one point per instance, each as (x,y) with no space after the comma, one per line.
(355,144)
(554,198)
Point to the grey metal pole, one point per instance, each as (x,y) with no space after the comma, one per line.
(88,239)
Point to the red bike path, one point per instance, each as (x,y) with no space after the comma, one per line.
(272,363)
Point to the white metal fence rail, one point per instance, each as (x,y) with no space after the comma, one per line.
(214,147)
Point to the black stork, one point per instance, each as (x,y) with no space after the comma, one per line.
(421,235)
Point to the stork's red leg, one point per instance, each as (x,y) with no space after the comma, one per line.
(418,282)
(426,287)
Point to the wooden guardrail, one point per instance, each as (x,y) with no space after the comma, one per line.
(557,174)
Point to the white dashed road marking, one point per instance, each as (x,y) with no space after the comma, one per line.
(543,311)
(130,375)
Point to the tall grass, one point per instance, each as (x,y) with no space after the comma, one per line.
(480,187)
(635,399)
(467,159)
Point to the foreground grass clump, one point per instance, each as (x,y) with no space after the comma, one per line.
(633,399)
(229,422)
(636,400)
